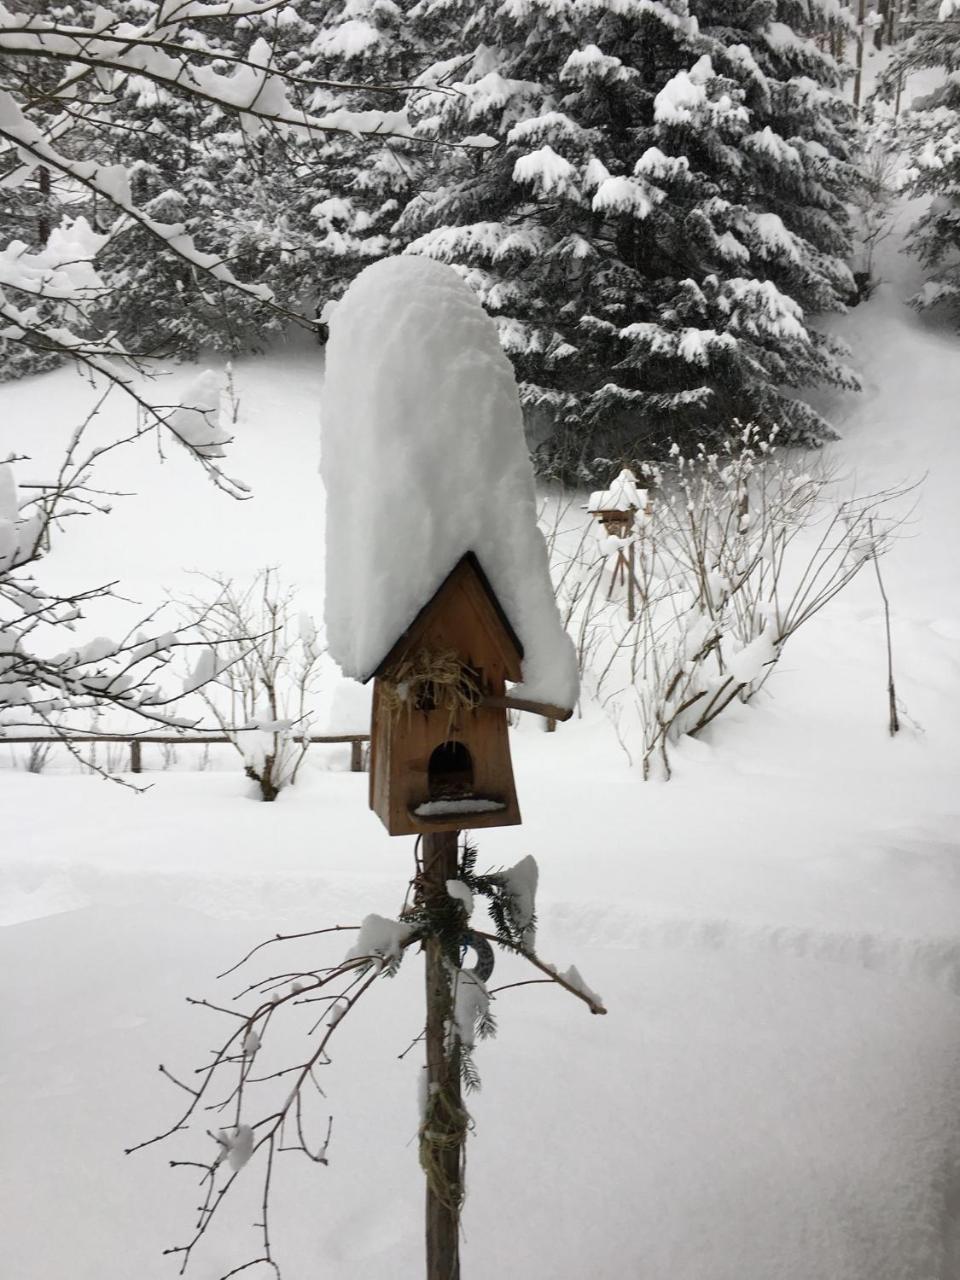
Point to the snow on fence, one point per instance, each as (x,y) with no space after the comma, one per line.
(136,743)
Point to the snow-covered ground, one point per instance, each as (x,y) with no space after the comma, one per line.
(773,1095)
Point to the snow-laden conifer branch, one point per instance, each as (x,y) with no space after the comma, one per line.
(255,87)
(100,57)
(569,980)
(158,52)
(112,183)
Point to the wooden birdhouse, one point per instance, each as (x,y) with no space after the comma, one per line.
(616,507)
(440,755)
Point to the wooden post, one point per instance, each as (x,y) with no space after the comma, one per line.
(136,761)
(356,756)
(444,1128)
(631,580)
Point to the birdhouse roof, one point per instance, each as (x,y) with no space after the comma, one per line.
(467,565)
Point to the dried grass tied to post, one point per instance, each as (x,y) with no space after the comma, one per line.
(443,1129)
(429,681)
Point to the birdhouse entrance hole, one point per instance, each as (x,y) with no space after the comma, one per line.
(450,772)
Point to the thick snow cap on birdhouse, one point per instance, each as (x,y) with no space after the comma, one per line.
(424,461)
(622,495)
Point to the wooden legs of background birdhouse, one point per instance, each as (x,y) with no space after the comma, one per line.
(624,570)
(443,1129)
(631,582)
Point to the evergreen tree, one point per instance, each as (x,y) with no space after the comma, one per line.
(157,303)
(930,134)
(302,216)
(32,206)
(663,212)
(366,184)
(202,168)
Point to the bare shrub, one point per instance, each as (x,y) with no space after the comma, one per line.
(733,552)
(258,678)
(38,756)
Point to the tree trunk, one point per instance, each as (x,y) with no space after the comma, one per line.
(858,78)
(44,214)
(444,1128)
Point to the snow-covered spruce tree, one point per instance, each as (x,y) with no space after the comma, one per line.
(155,302)
(303,214)
(29,208)
(62,76)
(227,182)
(930,137)
(662,218)
(357,188)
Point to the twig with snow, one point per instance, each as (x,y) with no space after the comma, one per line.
(284,1125)
(570,980)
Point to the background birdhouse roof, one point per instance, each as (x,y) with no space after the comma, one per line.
(622,495)
(424,461)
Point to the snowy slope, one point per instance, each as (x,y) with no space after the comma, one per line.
(773,1093)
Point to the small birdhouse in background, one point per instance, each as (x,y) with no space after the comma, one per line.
(439,753)
(616,508)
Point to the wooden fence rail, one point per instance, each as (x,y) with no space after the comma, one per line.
(356,741)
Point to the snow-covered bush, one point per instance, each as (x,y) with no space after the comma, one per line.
(259,676)
(732,551)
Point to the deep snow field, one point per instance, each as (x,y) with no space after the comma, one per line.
(775,1093)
